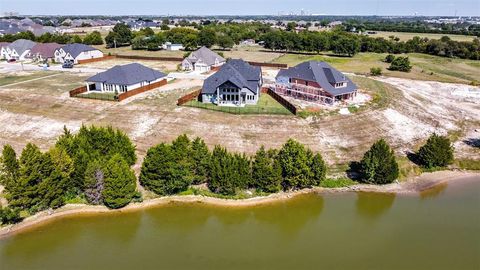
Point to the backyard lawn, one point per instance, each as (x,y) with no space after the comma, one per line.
(266,105)
(100,96)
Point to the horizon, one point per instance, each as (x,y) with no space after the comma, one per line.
(463,8)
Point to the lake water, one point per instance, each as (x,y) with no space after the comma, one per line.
(438,229)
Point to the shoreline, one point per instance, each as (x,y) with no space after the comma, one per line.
(414,185)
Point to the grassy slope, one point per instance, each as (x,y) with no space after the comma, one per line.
(443,69)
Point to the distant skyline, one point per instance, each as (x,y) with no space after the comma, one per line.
(242,7)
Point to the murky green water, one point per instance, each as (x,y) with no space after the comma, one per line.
(436,230)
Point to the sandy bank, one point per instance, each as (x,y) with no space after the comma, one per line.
(412,186)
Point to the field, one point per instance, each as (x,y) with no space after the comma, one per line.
(403,111)
(425,67)
(406,36)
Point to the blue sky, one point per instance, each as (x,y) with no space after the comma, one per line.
(242,7)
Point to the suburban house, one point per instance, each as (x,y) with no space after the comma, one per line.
(75,52)
(236,83)
(202,60)
(315,81)
(19,49)
(43,51)
(121,79)
(4,50)
(172,46)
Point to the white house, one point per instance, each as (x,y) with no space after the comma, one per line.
(75,52)
(172,46)
(18,50)
(124,78)
(4,50)
(202,60)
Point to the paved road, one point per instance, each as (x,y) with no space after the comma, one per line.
(9,67)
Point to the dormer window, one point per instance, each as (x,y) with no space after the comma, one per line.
(340,85)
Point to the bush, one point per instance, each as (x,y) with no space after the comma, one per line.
(376,71)
(378,165)
(9,216)
(401,64)
(120,183)
(436,152)
(389,58)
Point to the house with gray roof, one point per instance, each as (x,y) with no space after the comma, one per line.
(75,52)
(43,51)
(202,60)
(315,81)
(4,50)
(19,49)
(236,83)
(121,79)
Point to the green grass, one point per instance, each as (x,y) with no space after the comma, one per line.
(99,96)
(266,105)
(467,164)
(407,169)
(240,195)
(337,183)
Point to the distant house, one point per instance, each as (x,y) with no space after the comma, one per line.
(315,81)
(202,60)
(248,42)
(43,51)
(75,52)
(19,49)
(124,78)
(172,46)
(4,50)
(236,83)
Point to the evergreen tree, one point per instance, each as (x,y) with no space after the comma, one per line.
(221,171)
(120,183)
(200,161)
(162,173)
(9,216)
(94,182)
(266,171)
(437,152)
(9,169)
(378,165)
(294,161)
(319,169)
(242,173)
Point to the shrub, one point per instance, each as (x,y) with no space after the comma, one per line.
(9,216)
(436,152)
(378,165)
(389,58)
(401,64)
(376,71)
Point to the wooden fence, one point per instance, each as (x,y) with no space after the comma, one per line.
(285,103)
(78,91)
(157,58)
(142,89)
(98,59)
(188,97)
(272,65)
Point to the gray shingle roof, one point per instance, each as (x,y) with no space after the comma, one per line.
(205,55)
(127,75)
(322,73)
(77,48)
(235,71)
(21,45)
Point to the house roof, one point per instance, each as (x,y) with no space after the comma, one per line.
(127,75)
(4,44)
(46,50)
(205,55)
(323,74)
(77,48)
(21,45)
(235,71)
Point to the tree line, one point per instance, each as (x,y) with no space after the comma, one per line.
(94,166)
(93,38)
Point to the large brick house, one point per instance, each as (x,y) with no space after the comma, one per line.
(315,81)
